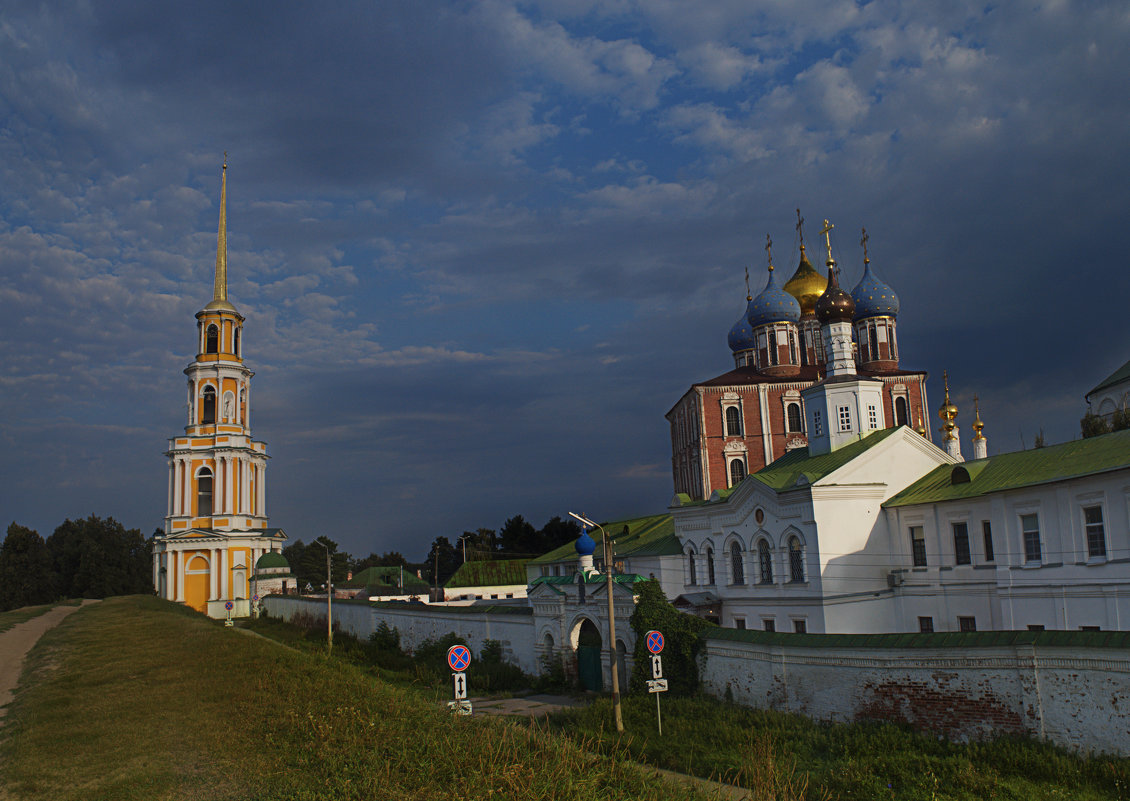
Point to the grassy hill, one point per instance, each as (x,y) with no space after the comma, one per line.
(138,698)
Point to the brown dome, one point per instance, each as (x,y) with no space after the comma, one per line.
(835,305)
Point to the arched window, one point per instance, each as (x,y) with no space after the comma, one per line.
(736,563)
(737,472)
(774,356)
(709,566)
(692,572)
(235,341)
(208,408)
(733,422)
(901,417)
(793,411)
(765,562)
(792,347)
(873,342)
(212,340)
(204,493)
(796,560)
(804,343)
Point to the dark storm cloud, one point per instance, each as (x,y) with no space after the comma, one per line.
(482,248)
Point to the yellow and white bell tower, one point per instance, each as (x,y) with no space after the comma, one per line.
(216,525)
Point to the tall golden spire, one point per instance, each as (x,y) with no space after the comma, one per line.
(948,412)
(220,291)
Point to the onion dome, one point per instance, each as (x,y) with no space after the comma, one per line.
(835,305)
(806,285)
(773,305)
(271,559)
(872,297)
(947,411)
(585,544)
(741,335)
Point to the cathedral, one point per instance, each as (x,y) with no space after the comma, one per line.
(216,527)
(737,423)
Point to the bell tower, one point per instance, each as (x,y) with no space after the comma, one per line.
(216,523)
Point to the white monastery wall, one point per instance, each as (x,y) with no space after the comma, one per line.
(1075,697)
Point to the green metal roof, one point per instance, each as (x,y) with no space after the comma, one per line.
(1117,377)
(1006,471)
(647,536)
(954,639)
(627,579)
(489,573)
(383,578)
(272,559)
(784,473)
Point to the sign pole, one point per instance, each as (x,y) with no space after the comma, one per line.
(658,684)
(658,716)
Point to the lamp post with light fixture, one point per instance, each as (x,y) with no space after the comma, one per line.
(611,620)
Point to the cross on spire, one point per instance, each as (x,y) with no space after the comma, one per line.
(800,229)
(826,232)
(748,294)
(769,250)
(863,241)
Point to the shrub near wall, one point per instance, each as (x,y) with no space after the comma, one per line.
(682,643)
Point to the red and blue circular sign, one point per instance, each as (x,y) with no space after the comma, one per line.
(655,641)
(459,657)
(229,606)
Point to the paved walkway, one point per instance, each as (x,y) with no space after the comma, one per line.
(15,644)
(528,706)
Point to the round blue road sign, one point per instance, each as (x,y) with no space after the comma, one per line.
(458,657)
(654,641)
(229,606)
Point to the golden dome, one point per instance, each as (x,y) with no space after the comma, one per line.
(948,412)
(806,285)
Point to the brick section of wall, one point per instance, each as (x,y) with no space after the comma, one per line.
(1075,697)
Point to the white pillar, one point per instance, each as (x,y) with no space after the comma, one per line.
(953,445)
(224,574)
(180,576)
(262,489)
(980,448)
(186,493)
(245,484)
(214,574)
(156,571)
(172,485)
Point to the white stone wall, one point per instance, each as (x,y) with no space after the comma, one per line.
(1075,697)
(515,632)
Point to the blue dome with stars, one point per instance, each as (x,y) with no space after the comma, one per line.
(872,297)
(773,305)
(585,544)
(741,335)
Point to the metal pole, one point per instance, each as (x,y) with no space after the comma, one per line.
(329,602)
(658,717)
(612,633)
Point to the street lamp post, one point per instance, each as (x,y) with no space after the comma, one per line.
(329,600)
(611,621)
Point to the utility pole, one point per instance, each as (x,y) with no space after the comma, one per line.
(329,599)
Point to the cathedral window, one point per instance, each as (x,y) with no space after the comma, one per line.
(917,546)
(891,342)
(204,493)
(709,565)
(737,472)
(736,565)
(845,418)
(1030,530)
(212,340)
(774,356)
(1096,535)
(733,421)
(901,416)
(987,535)
(805,343)
(817,427)
(796,560)
(792,348)
(793,413)
(765,562)
(235,342)
(692,572)
(208,408)
(961,554)
(872,417)
(873,342)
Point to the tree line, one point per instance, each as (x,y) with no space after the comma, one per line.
(89,558)
(517,539)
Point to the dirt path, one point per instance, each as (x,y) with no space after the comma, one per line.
(15,644)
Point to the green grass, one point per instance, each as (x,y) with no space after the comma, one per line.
(16,616)
(790,757)
(138,698)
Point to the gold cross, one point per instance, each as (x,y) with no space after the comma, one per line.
(800,228)
(826,232)
(863,241)
(769,250)
(748,294)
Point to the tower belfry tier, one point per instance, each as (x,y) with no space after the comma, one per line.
(216,524)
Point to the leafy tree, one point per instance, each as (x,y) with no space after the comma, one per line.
(387,559)
(557,532)
(443,560)
(26,576)
(97,558)
(518,537)
(1093,425)
(309,562)
(681,641)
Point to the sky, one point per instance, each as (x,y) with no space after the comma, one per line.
(483,247)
